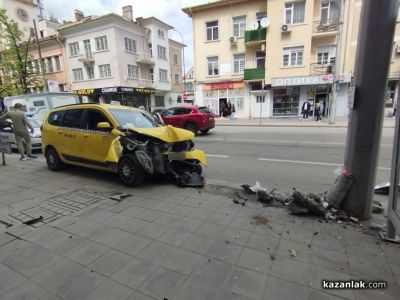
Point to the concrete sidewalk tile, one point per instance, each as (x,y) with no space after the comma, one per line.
(100,216)
(85,228)
(88,253)
(211,272)
(236,236)
(243,223)
(110,237)
(168,220)
(156,252)
(229,295)
(291,270)
(200,213)
(68,280)
(181,210)
(303,252)
(331,259)
(164,206)
(133,244)
(9,279)
(29,290)
(133,225)
(284,290)
(183,261)
(263,243)
(163,283)
(149,215)
(198,243)
(38,233)
(193,290)
(374,268)
(29,260)
(225,251)
(135,272)
(174,236)
(298,234)
(110,289)
(246,283)
(115,220)
(254,260)
(174,198)
(392,292)
(61,242)
(152,231)
(317,295)
(5,238)
(188,224)
(110,262)
(119,207)
(147,202)
(331,241)
(133,211)
(195,202)
(220,218)
(139,296)
(317,274)
(211,230)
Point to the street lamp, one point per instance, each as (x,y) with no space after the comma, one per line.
(183,56)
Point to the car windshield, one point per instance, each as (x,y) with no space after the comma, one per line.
(35,123)
(133,118)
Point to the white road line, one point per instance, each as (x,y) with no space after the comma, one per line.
(217,155)
(302,162)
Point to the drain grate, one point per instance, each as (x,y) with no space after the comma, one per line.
(57,207)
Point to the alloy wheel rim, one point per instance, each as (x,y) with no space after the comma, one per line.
(127,171)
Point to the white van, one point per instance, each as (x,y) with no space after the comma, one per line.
(37,105)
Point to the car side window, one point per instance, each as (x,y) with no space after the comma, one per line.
(92,118)
(73,118)
(55,118)
(169,112)
(182,111)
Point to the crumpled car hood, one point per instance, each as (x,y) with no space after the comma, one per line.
(167,133)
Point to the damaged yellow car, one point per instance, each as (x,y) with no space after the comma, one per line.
(120,139)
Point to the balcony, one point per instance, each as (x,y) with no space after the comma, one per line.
(254,74)
(324,28)
(144,58)
(255,37)
(321,69)
(86,56)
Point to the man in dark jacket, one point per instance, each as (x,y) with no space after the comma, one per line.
(305,110)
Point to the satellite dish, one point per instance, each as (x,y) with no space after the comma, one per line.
(255,24)
(264,22)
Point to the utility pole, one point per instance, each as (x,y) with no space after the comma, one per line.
(45,87)
(336,71)
(374,49)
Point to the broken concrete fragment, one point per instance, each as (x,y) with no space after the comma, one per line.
(354,219)
(314,197)
(119,197)
(264,197)
(339,189)
(296,209)
(292,253)
(299,198)
(247,189)
(377,207)
(315,208)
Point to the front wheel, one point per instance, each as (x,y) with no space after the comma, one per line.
(191,127)
(130,171)
(53,161)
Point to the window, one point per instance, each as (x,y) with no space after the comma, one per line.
(326,55)
(176,78)
(260,60)
(41,33)
(212,31)
(212,63)
(163,75)
(133,118)
(90,72)
(294,12)
(55,118)
(160,33)
(182,111)
(57,63)
(104,71)
(130,45)
(38,103)
(239,63)
(49,65)
(72,118)
(93,117)
(101,43)
(73,49)
(329,11)
(162,52)
(260,15)
(293,56)
(36,66)
(133,71)
(160,101)
(77,74)
(239,26)
(175,59)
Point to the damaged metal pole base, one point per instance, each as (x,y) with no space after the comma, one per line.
(384,237)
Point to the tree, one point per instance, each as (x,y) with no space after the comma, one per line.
(15,76)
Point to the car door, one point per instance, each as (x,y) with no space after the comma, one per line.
(168,117)
(180,116)
(98,141)
(72,135)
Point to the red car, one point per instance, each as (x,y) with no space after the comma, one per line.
(192,118)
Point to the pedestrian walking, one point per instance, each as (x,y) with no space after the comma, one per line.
(305,110)
(233,110)
(394,109)
(322,109)
(318,111)
(20,124)
(221,109)
(229,109)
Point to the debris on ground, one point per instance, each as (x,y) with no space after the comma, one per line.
(247,189)
(264,197)
(272,257)
(339,189)
(260,220)
(382,188)
(377,207)
(119,196)
(189,179)
(353,219)
(374,229)
(33,221)
(292,253)
(306,205)
(336,215)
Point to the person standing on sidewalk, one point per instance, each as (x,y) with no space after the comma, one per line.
(305,110)
(20,124)
(317,111)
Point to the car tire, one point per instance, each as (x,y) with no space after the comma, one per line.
(53,160)
(205,131)
(130,171)
(191,127)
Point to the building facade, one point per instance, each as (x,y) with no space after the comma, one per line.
(175,97)
(268,57)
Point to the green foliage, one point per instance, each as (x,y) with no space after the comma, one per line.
(16,77)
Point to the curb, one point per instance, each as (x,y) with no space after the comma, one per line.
(292,125)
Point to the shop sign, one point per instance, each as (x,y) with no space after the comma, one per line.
(115,90)
(221,86)
(84,92)
(310,80)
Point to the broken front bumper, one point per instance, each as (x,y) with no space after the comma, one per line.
(198,155)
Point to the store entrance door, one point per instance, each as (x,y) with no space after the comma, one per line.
(322,96)
(260,105)
(223,103)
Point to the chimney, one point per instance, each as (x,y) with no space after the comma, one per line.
(127,12)
(78,15)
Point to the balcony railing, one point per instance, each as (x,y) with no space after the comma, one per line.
(254,74)
(325,26)
(144,58)
(321,69)
(86,56)
(257,35)
(147,83)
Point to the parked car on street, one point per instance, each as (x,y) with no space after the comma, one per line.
(192,118)
(7,133)
(120,139)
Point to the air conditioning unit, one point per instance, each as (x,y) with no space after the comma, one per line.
(285,28)
(233,39)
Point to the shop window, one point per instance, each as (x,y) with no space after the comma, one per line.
(286,101)
(159,101)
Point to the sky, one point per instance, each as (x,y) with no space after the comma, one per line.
(168,11)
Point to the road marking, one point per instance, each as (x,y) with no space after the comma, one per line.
(217,155)
(302,162)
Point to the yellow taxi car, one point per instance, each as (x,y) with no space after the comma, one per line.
(120,139)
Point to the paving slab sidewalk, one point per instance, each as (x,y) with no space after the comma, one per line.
(165,242)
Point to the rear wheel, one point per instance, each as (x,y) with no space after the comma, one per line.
(53,160)
(191,127)
(130,171)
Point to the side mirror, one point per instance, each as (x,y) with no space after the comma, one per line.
(103,125)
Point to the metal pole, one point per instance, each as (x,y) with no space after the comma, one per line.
(45,88)
(4,158)
(374,48)
(336,71)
